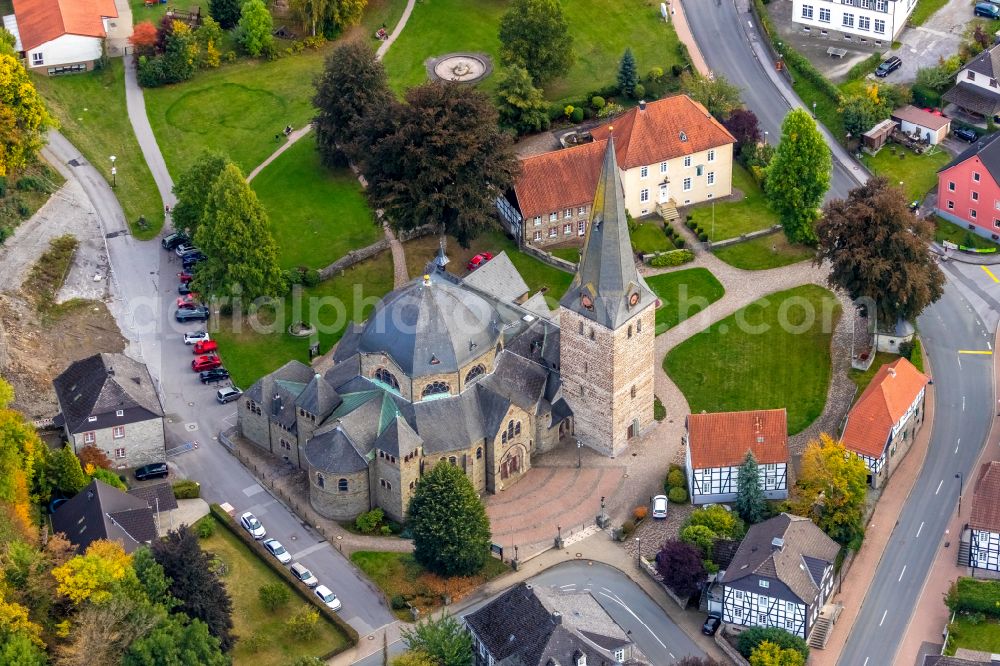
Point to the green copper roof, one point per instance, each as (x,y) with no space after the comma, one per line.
(294,388)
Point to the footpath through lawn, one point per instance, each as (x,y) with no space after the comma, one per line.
(771,354)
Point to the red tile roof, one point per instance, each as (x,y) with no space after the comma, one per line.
(891,392)
(986,498)
(723,439)
(40,21)
(551,182)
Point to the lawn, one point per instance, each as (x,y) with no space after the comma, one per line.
(918,173)
(766,252)
(649,238)
(983,636)
(924,10)
(250,354)
(91,112)
(734,218)
(17,205)
(246,573)
(317,214)
(826,108)
(236,109)
(399,574)
(568,253)
(947,231)
(536,274)
(771,354)
(683,294)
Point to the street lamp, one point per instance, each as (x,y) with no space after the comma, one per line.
(114,172)
(814,109)
(579,453)
(960,478)
(638,547)
(765,136)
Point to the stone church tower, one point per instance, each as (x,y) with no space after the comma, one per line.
(607,326)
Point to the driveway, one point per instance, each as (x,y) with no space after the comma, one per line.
(938,38)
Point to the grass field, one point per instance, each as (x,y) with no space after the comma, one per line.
(249,354)
(317,215)
(733,218)
(984,636)
(567,253)
(649,238)
(17,205)
(771,354)
(918,173)
(91,112)
(400,574)
(246,574)
(946,231)
(683,294)
(766,252)
(827,111)
(924,10)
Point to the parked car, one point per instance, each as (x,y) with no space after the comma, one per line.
(986,10)
(275,548)
(214,375)
(253,526)
(965,134)
(191,260)
(199,313)
(205,347)
(327,597)
(152,471)
(188,301)
(205,363)
(228,394)
(478,260)
(173,240)
(185,276)
(304,575)
(184,288)
(192,337)
(660,506)
(888,66)
(184,248)
(711,625)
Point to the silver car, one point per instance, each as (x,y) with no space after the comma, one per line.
(660,507)
(327,597)
(275,548)
(253,526)
(304,575)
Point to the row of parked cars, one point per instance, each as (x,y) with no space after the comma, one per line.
(301,573)
(188,306)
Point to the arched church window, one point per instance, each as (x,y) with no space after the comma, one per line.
(517,428)
(479,453)
(387,378)
(510,429)
(475,372)
(434,388)
(503,437)
(320,481)
(342,485)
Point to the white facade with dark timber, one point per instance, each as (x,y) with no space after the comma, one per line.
(984,523)
(720,484)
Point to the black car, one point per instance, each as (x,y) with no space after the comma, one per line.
(711,625)
(199,313)
(213,375)
(888,66)
(191,260)
(173,240)
(184,288)
(965,134)
(152,471)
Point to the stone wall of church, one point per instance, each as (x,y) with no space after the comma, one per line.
(253,427)
(412,389)
(632,401)
(331,502)
(385,483)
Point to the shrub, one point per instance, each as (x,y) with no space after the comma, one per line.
(32,184)
(370,521)
(679,242)
(703,237)
(640,513)
(701,537)
(678,495)
(675,479)
(750,638)
(253,643)
(639,91)
(725,524)
(3,186)
(672,258)
(676,70)
(304,624)
(597,102)
(577,115)
(968,595)
(610,109)
(568,110)
(655,75)
(310,277)
(273,595)
(397,602)
(187,489)
(627,528)
(925,96)
(205,528)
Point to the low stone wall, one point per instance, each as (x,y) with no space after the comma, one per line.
(730,651)
(359,255)
(650,569)
(556,262)
(745,237)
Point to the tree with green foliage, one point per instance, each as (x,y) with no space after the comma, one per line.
(108,477)
(442,159)
(226,12)
(724,523)
(701,537)
(451,532)
(628,73)
(7,43)
(152,578)
(351,90)
(716,94)
(329,17)
(253,32)
(23,117)
(445,641)
(941,76)
(522,106)
(176,641)
(67,471)
(750,639)
(750,502)
(235,235)
(772,654)
(860,113)
(274,595)
(831,490)
(535,35)
(880,251)
(799,176)
(192,190)
(17,649)
(413,658)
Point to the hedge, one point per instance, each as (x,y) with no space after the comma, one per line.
(751,638)
(969,595)
(924,96)
(672,258)
(187,489)
(227,521)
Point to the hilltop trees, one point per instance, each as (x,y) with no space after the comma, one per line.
(534,34)
(798,176)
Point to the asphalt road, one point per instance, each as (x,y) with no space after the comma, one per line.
(964,404)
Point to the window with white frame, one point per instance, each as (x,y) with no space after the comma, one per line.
(848,20)
(864,23)
(951,205)
(738,595)
(951,186)
(711,155)
(553,217)
(975,176)
(711,178)
(972,213)
(89,437)
(789,606)
(975,196)
(699,170)
(538,220)
(553,232)
(824,15)
(581,211)
(663,167)
(537,236)
(118,432)
(37,58)
(120,412)
(644,195)
(880,26)
(582,227)
(91,419)
(643,171)
(763,583)
(687,184)
(762,618)
(737,612)
(120,452)
(882,5)
(996,223)
(687,161)
(567,229)
(807,11)
(568,213)
(789,625)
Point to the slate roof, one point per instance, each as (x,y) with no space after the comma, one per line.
(40,21)
(157,495)
(986,63)
(722,439)
(971,97)
(802,539)
(318,398)
(100,511)
(606,277)
(398,439)
(884,402)
(986,498)
(912,114)
(499,278)
(988,152)
(102,384)
(333,451)
(295,372)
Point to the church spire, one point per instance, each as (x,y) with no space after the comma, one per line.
(607,287)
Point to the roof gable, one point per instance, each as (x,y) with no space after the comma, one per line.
(551,181)
(100,511)
(987,150)
(41,21)
(722,439)
(105,384)
(885,401)
(986,498)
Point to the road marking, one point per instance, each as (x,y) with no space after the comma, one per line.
(990,273)
(866,661)
(957,445)
(563,587)
(976,352)
(939,486)
(901,574)
(963,403)
(884,613)
(250,491)
(311,549)
(671,655)
(919,529)
(622,604)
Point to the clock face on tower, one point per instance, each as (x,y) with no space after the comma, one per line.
(633,299)
(587,302)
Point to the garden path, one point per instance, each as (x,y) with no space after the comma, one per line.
(290,141)
(136,105)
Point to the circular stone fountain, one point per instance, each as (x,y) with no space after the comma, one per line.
(460,67)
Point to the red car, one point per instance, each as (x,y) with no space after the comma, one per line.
(478,260)
(185,277)
(188,301)
(205,363)
(206,347)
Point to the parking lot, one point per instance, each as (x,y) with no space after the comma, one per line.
(939,38)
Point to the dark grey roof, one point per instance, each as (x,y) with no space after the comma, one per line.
(431,326)
(332,451)
(801,539)
(560,411)
(606,275)
(157,496)
(398,438)
(942,660)
(449,424)
(518,379)
(371,412)
(499,278)
(102,384)
(986,63)
(343,371)
(100,511)
(538,305)
(971,97)
(293,371)
(318,398)
(347,346)
(988,151)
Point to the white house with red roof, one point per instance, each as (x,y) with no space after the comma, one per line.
(60,36)
(884,421)
(715,446)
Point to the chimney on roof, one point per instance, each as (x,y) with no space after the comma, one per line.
(777,544)
(556,617)
(642,105)
(892,372)
(318,376)
(111,371)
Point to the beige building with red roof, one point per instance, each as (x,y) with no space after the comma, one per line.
(984,524)
(884,421)
(60,36)
(715,446)
(670,152)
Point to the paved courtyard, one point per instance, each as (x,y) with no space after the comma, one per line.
(938,38)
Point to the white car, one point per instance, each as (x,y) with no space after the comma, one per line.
(275,548)
(304,575)
(660,506)
(192,337)
(327,597)
(253,526)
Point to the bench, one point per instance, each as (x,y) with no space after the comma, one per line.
(833,51)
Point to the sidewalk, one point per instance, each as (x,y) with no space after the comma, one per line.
(684,34)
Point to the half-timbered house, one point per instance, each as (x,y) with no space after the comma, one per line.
(984,544)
